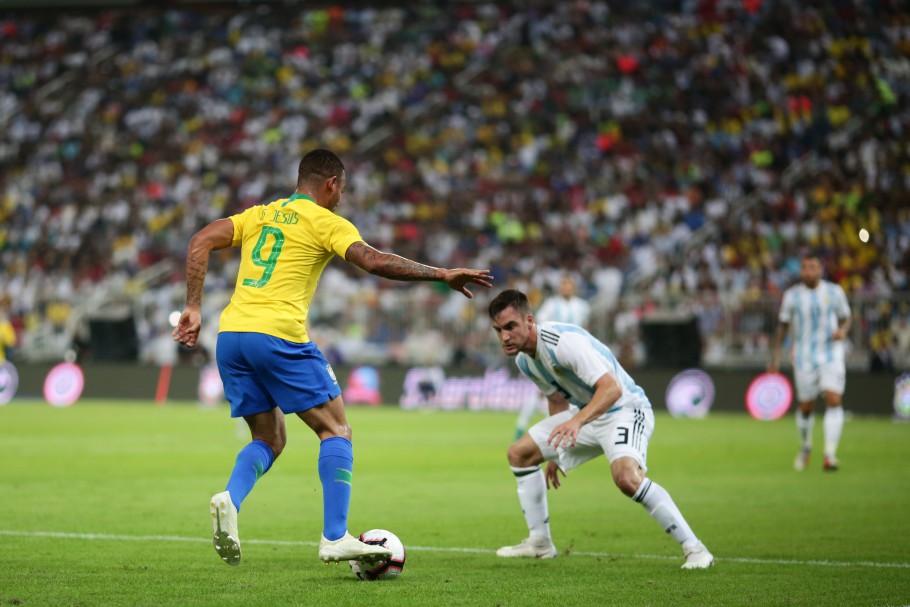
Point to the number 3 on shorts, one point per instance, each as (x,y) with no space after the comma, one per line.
(268,264)
(622,436)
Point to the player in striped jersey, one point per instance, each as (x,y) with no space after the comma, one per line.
(564,307)
(818,313)
(595,408)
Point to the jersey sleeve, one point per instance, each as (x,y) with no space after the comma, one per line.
(577,353)
(842,307)
(341,236)
(786,307)
(521,361)
(239,220)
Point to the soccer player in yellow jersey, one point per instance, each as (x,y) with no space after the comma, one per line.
(7,333)
(267,362)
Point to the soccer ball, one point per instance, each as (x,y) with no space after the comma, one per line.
(380,570)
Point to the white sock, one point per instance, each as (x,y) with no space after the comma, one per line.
(834,423)
(805,424)
(532,495)
(662,509)
(528,407)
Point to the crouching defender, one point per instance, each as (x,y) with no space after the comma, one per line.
(595,408)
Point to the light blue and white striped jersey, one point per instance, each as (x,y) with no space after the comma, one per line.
(574,311)
(814,315)
(570,360)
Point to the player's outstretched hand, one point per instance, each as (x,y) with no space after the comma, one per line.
(187,329)
(552,475)
(459,278)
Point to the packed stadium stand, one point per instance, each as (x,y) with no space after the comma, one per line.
(675,158)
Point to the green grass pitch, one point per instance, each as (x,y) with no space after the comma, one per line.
(106,503)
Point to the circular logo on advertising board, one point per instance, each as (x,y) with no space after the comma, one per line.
(769,396)
(9,382)
(63,385)
(902,396)
(690,394)
(211,390)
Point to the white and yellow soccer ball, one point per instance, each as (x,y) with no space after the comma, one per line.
(380,570)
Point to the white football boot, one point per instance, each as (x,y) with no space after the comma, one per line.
(698,557)
(225,537)
(534,547)
(349,548)
(802,459)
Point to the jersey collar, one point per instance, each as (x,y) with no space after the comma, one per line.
(298,197)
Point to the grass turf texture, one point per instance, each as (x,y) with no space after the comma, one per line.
(139,477)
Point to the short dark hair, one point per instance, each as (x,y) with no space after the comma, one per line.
(319,164)
(812,254)
(509,298)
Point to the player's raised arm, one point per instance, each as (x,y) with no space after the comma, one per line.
(389,265)
(216,235)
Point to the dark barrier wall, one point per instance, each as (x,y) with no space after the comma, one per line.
(672,344)
(866,393)
(113,340)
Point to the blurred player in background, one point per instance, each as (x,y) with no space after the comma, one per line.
(565,306)
(267,362)
(7,331)
(820,317)
(595,408)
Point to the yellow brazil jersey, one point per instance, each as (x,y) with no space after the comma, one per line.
(285,246)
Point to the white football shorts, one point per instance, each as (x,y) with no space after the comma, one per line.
(623,433)
(830,377)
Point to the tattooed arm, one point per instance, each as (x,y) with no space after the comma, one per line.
(216,235)
(389,265)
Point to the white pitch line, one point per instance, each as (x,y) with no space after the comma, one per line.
(178,538)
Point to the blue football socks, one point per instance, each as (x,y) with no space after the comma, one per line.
(253,461)
(336,467)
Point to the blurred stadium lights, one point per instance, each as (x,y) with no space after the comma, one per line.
(38,4)
(96,4)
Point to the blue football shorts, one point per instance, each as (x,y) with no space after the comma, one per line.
(261,372)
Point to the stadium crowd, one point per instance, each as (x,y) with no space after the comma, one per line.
(659,152)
